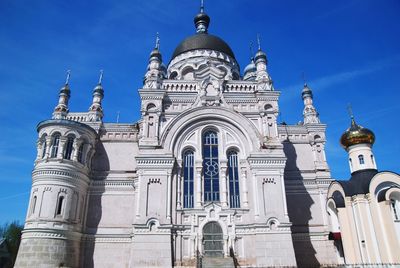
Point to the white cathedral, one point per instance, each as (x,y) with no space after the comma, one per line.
(207,176)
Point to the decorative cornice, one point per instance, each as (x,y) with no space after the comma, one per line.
(180,86)
(107,238)
(74,176)
(154,162)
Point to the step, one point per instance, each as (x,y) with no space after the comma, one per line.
(217,262)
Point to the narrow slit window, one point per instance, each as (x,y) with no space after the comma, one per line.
(233,173)
(33,206)
(60,205)
(395,211)
(188,181)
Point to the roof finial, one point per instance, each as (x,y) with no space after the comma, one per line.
(350,111)
(259,41)
(251,51)
(68,76)
(157,41)
(202,6)
(101,77)
(304,79)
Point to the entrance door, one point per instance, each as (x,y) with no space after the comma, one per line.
(213,240)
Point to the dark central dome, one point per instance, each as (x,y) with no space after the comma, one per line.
(203,41)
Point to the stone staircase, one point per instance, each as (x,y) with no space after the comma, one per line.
(217,262)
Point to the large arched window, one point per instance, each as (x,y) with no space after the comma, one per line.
(69,147)
(233,174)
(210,166)
(54,145)
(188,181)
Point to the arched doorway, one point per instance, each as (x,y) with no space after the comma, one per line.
(213,243)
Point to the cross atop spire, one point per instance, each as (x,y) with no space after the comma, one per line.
(304,78)
(101,77)
(258,41)
(350,111)
(251,51)
(157,41)
(202,6)
(68,76)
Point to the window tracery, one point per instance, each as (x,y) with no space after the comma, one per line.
(210,166)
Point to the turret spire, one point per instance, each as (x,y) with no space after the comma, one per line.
(263,78)
(61,110)
(68,76)
(96,110)
(259,41)
(310,114)
(157,41)
(251,51)
(202,20)
(101,77)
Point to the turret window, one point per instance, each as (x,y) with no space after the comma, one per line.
(33,205)
(361,159)
(80,154)
(69,148)
(188,181)
(210,166)
(233,174)
(54,145)
(372,160)
(44,149)
(60,205)
(395,209)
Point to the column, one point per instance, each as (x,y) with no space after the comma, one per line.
(245,191)
(255,195)
(48,142)
(199,186)
(140,175)
(39,145)
(223,186)
(60,153)
(169,178)
(179,182)
(77,143)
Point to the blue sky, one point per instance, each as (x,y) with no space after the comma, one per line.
(349,51)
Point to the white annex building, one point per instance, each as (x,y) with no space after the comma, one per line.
(206,175)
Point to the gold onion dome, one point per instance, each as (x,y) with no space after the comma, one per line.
(356,134)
